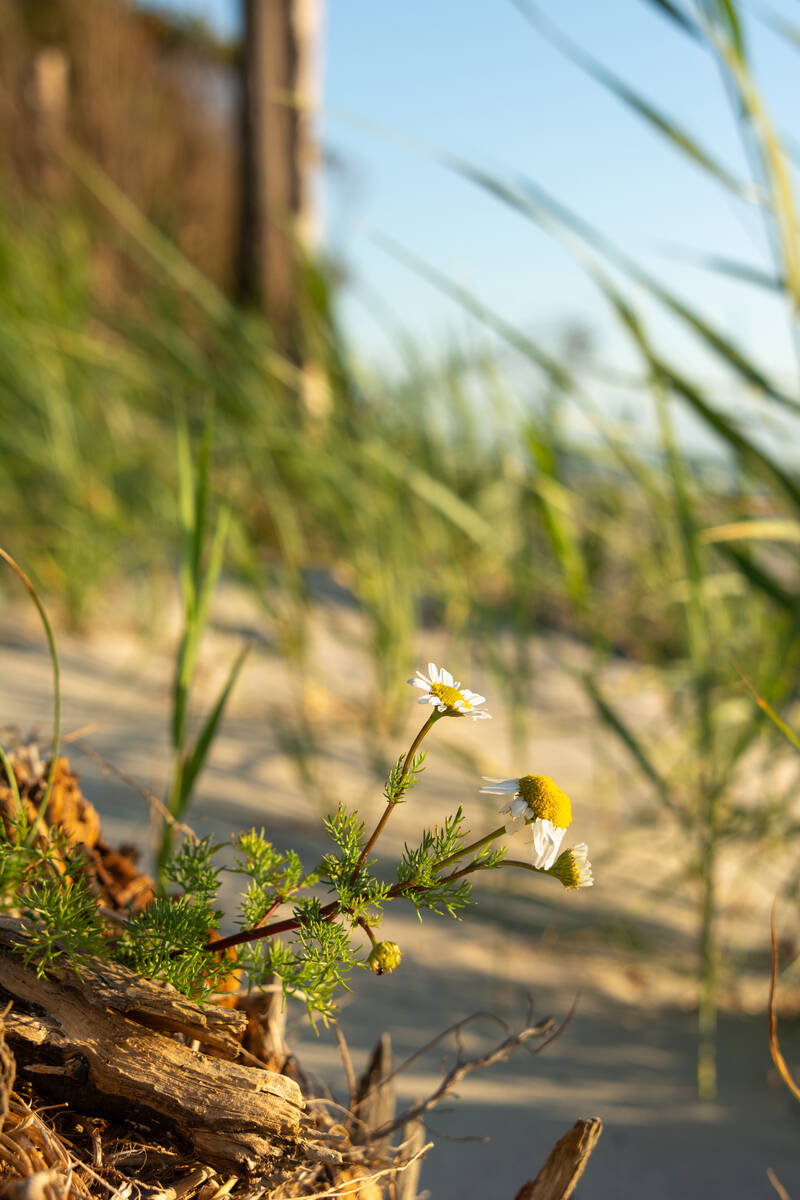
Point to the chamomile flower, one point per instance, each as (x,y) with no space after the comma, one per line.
(573,867)
(537,801)
(447,695)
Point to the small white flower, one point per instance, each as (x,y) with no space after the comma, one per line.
(447,695)
(536,800)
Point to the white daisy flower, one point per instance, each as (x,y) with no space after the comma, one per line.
(447,695)
(573,867)
(537,801)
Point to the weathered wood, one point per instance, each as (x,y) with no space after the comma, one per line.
(565,1163)
(407,1184)
(375,1096)
(278,83)
(94,1038)
(147,1001)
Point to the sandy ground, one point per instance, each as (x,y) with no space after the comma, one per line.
(625,948)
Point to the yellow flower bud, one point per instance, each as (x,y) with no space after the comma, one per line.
(383,959)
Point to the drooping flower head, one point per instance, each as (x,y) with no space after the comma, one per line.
(447,695)
(537,801)
(573,867)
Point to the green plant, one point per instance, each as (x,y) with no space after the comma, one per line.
(45,881)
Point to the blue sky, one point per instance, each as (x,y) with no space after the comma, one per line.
(473,77)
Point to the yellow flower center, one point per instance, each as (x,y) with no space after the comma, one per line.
(565,868)
(546,800)
(449,695)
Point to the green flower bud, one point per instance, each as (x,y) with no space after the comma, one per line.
(573,867)
(385,956)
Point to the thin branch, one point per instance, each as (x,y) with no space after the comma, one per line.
(776,1183)
(506,1047)
(772,1019)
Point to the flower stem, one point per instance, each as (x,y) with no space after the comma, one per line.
(367,930)
(484,841)
(518,862)
(378,830)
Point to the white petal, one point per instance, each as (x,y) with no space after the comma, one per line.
(427,699)
(474,698)
(446,677)
(420,683)
(547,839)
(481,715)
(518,807)
(494,779)
(433,674)
(515,824)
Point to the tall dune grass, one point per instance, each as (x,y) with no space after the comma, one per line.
(414,493)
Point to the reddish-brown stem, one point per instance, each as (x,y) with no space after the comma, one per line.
(329,911)
(263,931)
(276,903)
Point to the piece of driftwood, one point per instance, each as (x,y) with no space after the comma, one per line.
(565,1163)
(109,1039)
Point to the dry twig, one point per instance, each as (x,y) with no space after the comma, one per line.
(772,1019)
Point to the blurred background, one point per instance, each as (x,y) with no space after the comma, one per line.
(472,329)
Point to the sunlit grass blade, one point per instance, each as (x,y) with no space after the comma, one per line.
(751,454)
(436,494)
(774,1046)
(767,708)
(196,760)
(724,32)
(679,138)
(51,646)
(558,514)
(471,303)
(725,14)
(5,763)
(765,529)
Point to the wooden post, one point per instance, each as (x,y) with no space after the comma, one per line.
(278,65)
(48,96)
(565,1163)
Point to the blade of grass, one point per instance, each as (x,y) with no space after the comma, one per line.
(12,779)
(777,530)
(51,646)
(679,138)
(760,578)
(767,708)
(196,760)
(772,1016)
(612,718)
